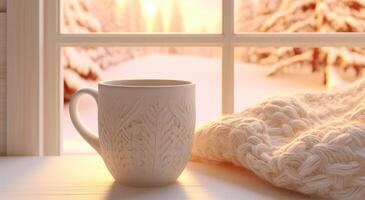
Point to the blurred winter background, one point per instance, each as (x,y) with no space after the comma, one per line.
(259,71)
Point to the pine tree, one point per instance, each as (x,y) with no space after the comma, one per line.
(158,22)
(305,16)
(122,17)
(137,20)
(82,63)
(104,11)
(176,21)
(77,65)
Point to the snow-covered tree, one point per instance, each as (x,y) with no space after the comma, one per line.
(158,26)
(105,11)
(77,65)
(305,16)
(82,63)
(176,20)
(137,21)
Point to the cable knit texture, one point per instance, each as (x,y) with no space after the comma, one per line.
(313,143)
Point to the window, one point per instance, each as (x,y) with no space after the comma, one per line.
(228,32)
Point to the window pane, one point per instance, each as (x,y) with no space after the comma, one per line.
(299,16)
(86,66)
(265,71)
(141,16)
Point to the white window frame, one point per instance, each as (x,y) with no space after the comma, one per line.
(46,138)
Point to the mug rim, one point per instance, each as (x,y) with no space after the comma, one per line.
(146,83)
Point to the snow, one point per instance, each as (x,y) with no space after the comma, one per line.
(252,85)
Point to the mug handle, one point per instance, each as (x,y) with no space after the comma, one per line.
(84,131)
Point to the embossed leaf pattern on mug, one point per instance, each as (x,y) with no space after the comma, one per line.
(115,145)
(155,137)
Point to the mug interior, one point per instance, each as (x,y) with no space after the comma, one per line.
(146,83)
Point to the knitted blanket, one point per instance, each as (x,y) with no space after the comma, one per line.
(313,143)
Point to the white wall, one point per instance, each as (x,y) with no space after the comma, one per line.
(2,77)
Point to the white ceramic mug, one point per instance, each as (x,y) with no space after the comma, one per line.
(145,128)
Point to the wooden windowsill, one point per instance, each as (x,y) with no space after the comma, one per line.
(85,177)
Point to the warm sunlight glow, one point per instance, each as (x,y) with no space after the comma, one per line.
(149,8)
(120,3)
(189,10)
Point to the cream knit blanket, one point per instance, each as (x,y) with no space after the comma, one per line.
(312,143)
